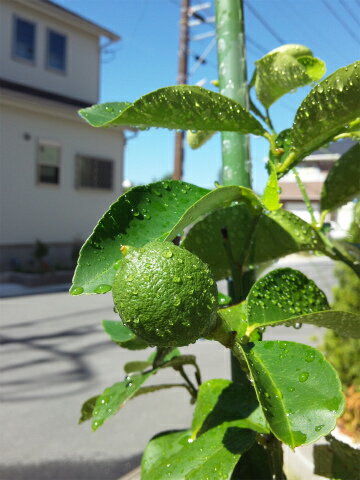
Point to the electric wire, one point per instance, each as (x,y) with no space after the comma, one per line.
(305,24)
(346,8)
(344,25)
(264,22)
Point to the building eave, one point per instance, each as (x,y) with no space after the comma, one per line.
(54,10)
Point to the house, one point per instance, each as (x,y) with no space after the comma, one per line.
(313,171)
(58,175)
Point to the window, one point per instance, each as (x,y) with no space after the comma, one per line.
(24,40)
(94,173)
(56,51)
(48,163)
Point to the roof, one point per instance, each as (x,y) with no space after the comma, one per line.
(53,9)
(290,191)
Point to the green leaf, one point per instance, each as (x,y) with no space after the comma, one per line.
(123,336)
(220,401)
(324,113)
(157,387)
(137,366)
(114,397)
(157,211)
(342,183)
(285,69)
(253,239)
(197,139)
(337,460)
(282,294)
(299,391)
(315,68)
(281,233)
(345,324)
(224,299)
(87,409)
(179,107)
(271,196)
(213,455)
(235,318)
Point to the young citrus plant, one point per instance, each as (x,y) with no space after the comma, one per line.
(284,391)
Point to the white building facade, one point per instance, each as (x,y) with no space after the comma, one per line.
(313,171)
(58,175)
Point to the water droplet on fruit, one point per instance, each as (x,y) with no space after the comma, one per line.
(319,427)
(117,264)
(176,301)
(167,254)
(291,389)
(310,357)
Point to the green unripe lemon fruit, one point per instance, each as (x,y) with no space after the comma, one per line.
(165,294)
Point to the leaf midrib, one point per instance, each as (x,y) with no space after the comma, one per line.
(275,388)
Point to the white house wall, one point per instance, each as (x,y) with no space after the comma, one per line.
(81,79)
(51,213)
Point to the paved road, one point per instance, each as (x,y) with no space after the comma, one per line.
(55,355)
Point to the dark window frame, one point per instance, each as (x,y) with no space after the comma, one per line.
(49,67)
(42,142)
(14,54)
(94,180)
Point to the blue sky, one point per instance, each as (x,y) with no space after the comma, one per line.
(146,59)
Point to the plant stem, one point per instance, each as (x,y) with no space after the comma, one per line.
(268,121)
(188,381)
(305,197)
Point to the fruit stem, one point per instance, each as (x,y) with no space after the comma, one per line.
(192,389)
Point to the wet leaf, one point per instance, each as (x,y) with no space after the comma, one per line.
(337,460)
(179,107)
(197,139)
(324,113)
(224,299)
(235,318)
(253,238)
(342,183)
(213,455)
(285,69)
(87,409)
(345,324)
(282,294)
(123,336)
(271,196)
(137,366)
(299,391)
(220,401)
(113,398)
(157,211)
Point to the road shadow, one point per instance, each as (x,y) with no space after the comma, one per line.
(33,366)
(68,470)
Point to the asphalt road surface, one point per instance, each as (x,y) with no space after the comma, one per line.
(55,355)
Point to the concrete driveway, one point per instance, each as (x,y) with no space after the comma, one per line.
(55,355)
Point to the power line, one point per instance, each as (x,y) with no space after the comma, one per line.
(346,8)
(264,23)
(257,45)
(344,25)
(311,29)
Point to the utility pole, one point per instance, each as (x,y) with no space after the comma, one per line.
(181,79)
